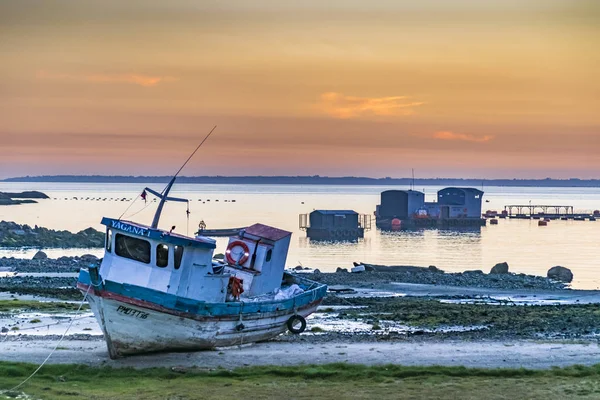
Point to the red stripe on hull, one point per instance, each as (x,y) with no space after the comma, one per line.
(152,306)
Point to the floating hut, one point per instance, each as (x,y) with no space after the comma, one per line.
(335,225)
(455,207)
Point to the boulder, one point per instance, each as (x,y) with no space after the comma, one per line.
(369,267)
(89,258)
(474,272)
(341,269)
(500,268)
(88,232)
(559,273)
(317,271)
(298,268)
(433,268)
(219,256)
(40,255)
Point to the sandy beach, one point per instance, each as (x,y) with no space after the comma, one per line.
(334,344)
(485,354)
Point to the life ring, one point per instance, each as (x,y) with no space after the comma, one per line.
(293,320)
(243,258)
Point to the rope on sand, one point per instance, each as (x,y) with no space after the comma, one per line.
(54,349)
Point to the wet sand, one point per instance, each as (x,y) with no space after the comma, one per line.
(485,354)
(529,296)
(313,348)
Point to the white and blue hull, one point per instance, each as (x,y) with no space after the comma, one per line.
(132,329)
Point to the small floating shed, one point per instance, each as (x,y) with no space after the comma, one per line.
(335,225)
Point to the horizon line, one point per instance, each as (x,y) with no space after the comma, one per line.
(96,176)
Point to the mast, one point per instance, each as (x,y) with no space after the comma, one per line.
(165,193)
(163,199)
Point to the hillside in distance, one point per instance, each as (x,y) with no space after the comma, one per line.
(312,180)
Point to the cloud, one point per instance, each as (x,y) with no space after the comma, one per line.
(448,135)
(133,79)
(341,106)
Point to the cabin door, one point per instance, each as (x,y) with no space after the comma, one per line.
(445,212)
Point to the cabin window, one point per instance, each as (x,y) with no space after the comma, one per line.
(178,256)
(109,240)
(162,255)
(132,248)
(269,254)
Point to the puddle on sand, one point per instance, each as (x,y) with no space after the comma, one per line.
(330,322)
(362,292)
(11,274)
(512,300)
(49,324)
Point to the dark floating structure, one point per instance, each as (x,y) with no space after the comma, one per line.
(335,225)
(407,209)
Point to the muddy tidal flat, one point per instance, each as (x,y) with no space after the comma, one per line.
(368,313)
(402,332)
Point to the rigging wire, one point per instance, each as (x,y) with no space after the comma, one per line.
(128,207)
(139,211)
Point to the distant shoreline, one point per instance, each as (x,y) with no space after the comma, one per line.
(312,180)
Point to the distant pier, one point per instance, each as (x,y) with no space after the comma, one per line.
(544,211)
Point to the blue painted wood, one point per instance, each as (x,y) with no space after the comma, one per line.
(186,305)
(155,234)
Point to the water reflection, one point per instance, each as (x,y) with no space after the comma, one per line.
(525,246)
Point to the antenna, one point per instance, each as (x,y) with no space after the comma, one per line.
(165,193)
(197,148)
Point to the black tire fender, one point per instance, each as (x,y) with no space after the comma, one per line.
(293,320)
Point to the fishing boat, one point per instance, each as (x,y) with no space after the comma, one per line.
(157,290)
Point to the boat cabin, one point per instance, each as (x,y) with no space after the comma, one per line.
(142,256)
(138,255)
(257,256)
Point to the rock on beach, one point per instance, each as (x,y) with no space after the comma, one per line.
(560,274)
(380,274)
(40,255)
(500,268)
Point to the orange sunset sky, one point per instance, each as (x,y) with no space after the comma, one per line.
(451,88)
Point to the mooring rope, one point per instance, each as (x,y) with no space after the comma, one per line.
(55,347)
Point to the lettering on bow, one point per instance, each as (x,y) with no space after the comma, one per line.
(131,312)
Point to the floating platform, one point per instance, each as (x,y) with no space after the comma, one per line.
(416,223)
(563,217)
(544,211)
(324,234)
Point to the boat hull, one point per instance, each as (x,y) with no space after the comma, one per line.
(134,327)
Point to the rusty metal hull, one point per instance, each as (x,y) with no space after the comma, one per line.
(132,328)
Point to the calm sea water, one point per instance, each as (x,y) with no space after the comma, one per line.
(525,246)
